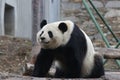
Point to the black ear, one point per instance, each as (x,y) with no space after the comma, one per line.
(62,27)
(43,23)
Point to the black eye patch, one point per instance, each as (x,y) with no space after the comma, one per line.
(50,34)
(42,33)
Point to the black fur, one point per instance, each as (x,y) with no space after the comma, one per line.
(42,33)
(43,23)
(50,34)
(62,27)
(71,56)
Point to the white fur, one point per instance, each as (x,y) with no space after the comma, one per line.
(59,38)
(89,58)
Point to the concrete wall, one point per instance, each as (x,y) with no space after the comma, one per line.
(0,17)
(3,3)
(22,17)
(52,10)
(22,24)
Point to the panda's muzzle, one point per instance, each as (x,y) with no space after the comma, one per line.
(43,40)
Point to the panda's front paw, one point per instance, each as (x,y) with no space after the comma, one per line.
(104,78)
(28,69)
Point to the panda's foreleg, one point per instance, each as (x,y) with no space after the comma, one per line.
(43,63)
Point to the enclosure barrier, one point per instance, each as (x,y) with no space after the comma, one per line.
(98,26)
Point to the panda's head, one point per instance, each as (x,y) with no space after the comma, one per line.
(54,34)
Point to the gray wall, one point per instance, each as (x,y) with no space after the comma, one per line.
(22,22)
(52,10)
(0,17)
(24,19)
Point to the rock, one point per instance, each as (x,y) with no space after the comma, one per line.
(113,4)
(1,53)
(112,13)
(97,4)
(116,28)
(70,6)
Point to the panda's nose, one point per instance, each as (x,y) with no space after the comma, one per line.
(42,38)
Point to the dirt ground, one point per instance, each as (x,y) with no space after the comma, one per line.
(15,52)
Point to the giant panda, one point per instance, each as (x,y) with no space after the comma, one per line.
(70,48)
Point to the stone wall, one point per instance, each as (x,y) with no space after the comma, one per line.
(74,10)
(100,3)
(70,9)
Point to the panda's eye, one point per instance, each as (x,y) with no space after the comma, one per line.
(50,34)
(41,33)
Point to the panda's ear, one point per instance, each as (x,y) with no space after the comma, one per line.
(43,23)
(63,27)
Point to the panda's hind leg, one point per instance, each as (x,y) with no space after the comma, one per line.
(98,69)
